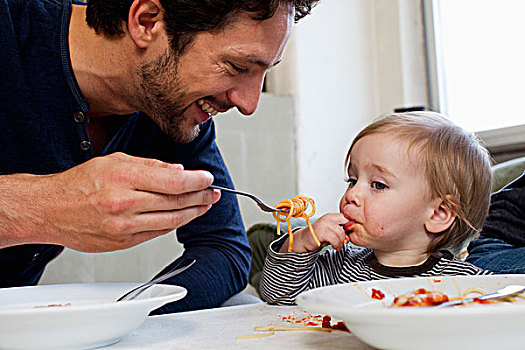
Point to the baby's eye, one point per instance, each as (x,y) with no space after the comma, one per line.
(351,182)
(379,185)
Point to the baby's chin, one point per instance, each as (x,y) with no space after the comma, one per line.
(355,233)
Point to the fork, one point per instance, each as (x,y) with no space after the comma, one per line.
(135,292)
(261,204)
(510,290)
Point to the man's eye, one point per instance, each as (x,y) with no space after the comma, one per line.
(238,69)
(379,185)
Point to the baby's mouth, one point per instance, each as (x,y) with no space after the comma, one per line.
(207,108)
(350,225)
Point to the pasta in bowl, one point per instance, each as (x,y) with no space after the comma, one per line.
(366,308)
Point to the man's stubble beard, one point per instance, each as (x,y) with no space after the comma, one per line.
(162,95)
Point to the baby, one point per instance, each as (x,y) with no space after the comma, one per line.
(418,191)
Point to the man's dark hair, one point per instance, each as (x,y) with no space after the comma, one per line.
(185,18)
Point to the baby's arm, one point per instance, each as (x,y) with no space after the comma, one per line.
(328,230)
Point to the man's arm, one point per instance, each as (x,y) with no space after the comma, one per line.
(108,203)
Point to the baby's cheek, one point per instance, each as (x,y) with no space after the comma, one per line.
(380,230)
(376,224)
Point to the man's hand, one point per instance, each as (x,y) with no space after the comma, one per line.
(108,203)
(328,230)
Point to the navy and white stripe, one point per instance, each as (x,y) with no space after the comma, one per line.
(286,275)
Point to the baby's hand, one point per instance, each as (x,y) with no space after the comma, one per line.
(328,230)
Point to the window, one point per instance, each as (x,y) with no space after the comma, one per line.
(477,67)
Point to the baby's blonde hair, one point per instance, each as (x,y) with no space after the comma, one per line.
(456,166)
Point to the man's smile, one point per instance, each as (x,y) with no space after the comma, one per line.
(206,107)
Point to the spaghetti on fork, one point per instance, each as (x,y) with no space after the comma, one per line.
(295,207)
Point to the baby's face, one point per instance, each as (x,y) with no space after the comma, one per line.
(387,195)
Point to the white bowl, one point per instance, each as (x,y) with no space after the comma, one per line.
(87,315)
(496,326)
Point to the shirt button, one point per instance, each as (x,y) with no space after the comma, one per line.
(79,117)
(35,256)
(85,145)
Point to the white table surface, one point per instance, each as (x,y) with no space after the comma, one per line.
(218,329)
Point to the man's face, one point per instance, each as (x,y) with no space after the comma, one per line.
(216,72)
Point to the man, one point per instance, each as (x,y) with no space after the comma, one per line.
(81,168)
(501,245)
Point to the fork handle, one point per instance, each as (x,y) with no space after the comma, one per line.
(222,188)
(261,205)
(225,189)
(228,190)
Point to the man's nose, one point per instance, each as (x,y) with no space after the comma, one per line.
(245,96)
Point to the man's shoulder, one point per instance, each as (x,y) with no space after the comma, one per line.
(30,42)
(24,20)
(20,9)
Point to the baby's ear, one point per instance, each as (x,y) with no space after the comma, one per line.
(441,218)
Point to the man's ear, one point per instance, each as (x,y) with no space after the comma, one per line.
(441,217)
(145,22)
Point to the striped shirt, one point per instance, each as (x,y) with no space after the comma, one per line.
(286,275)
